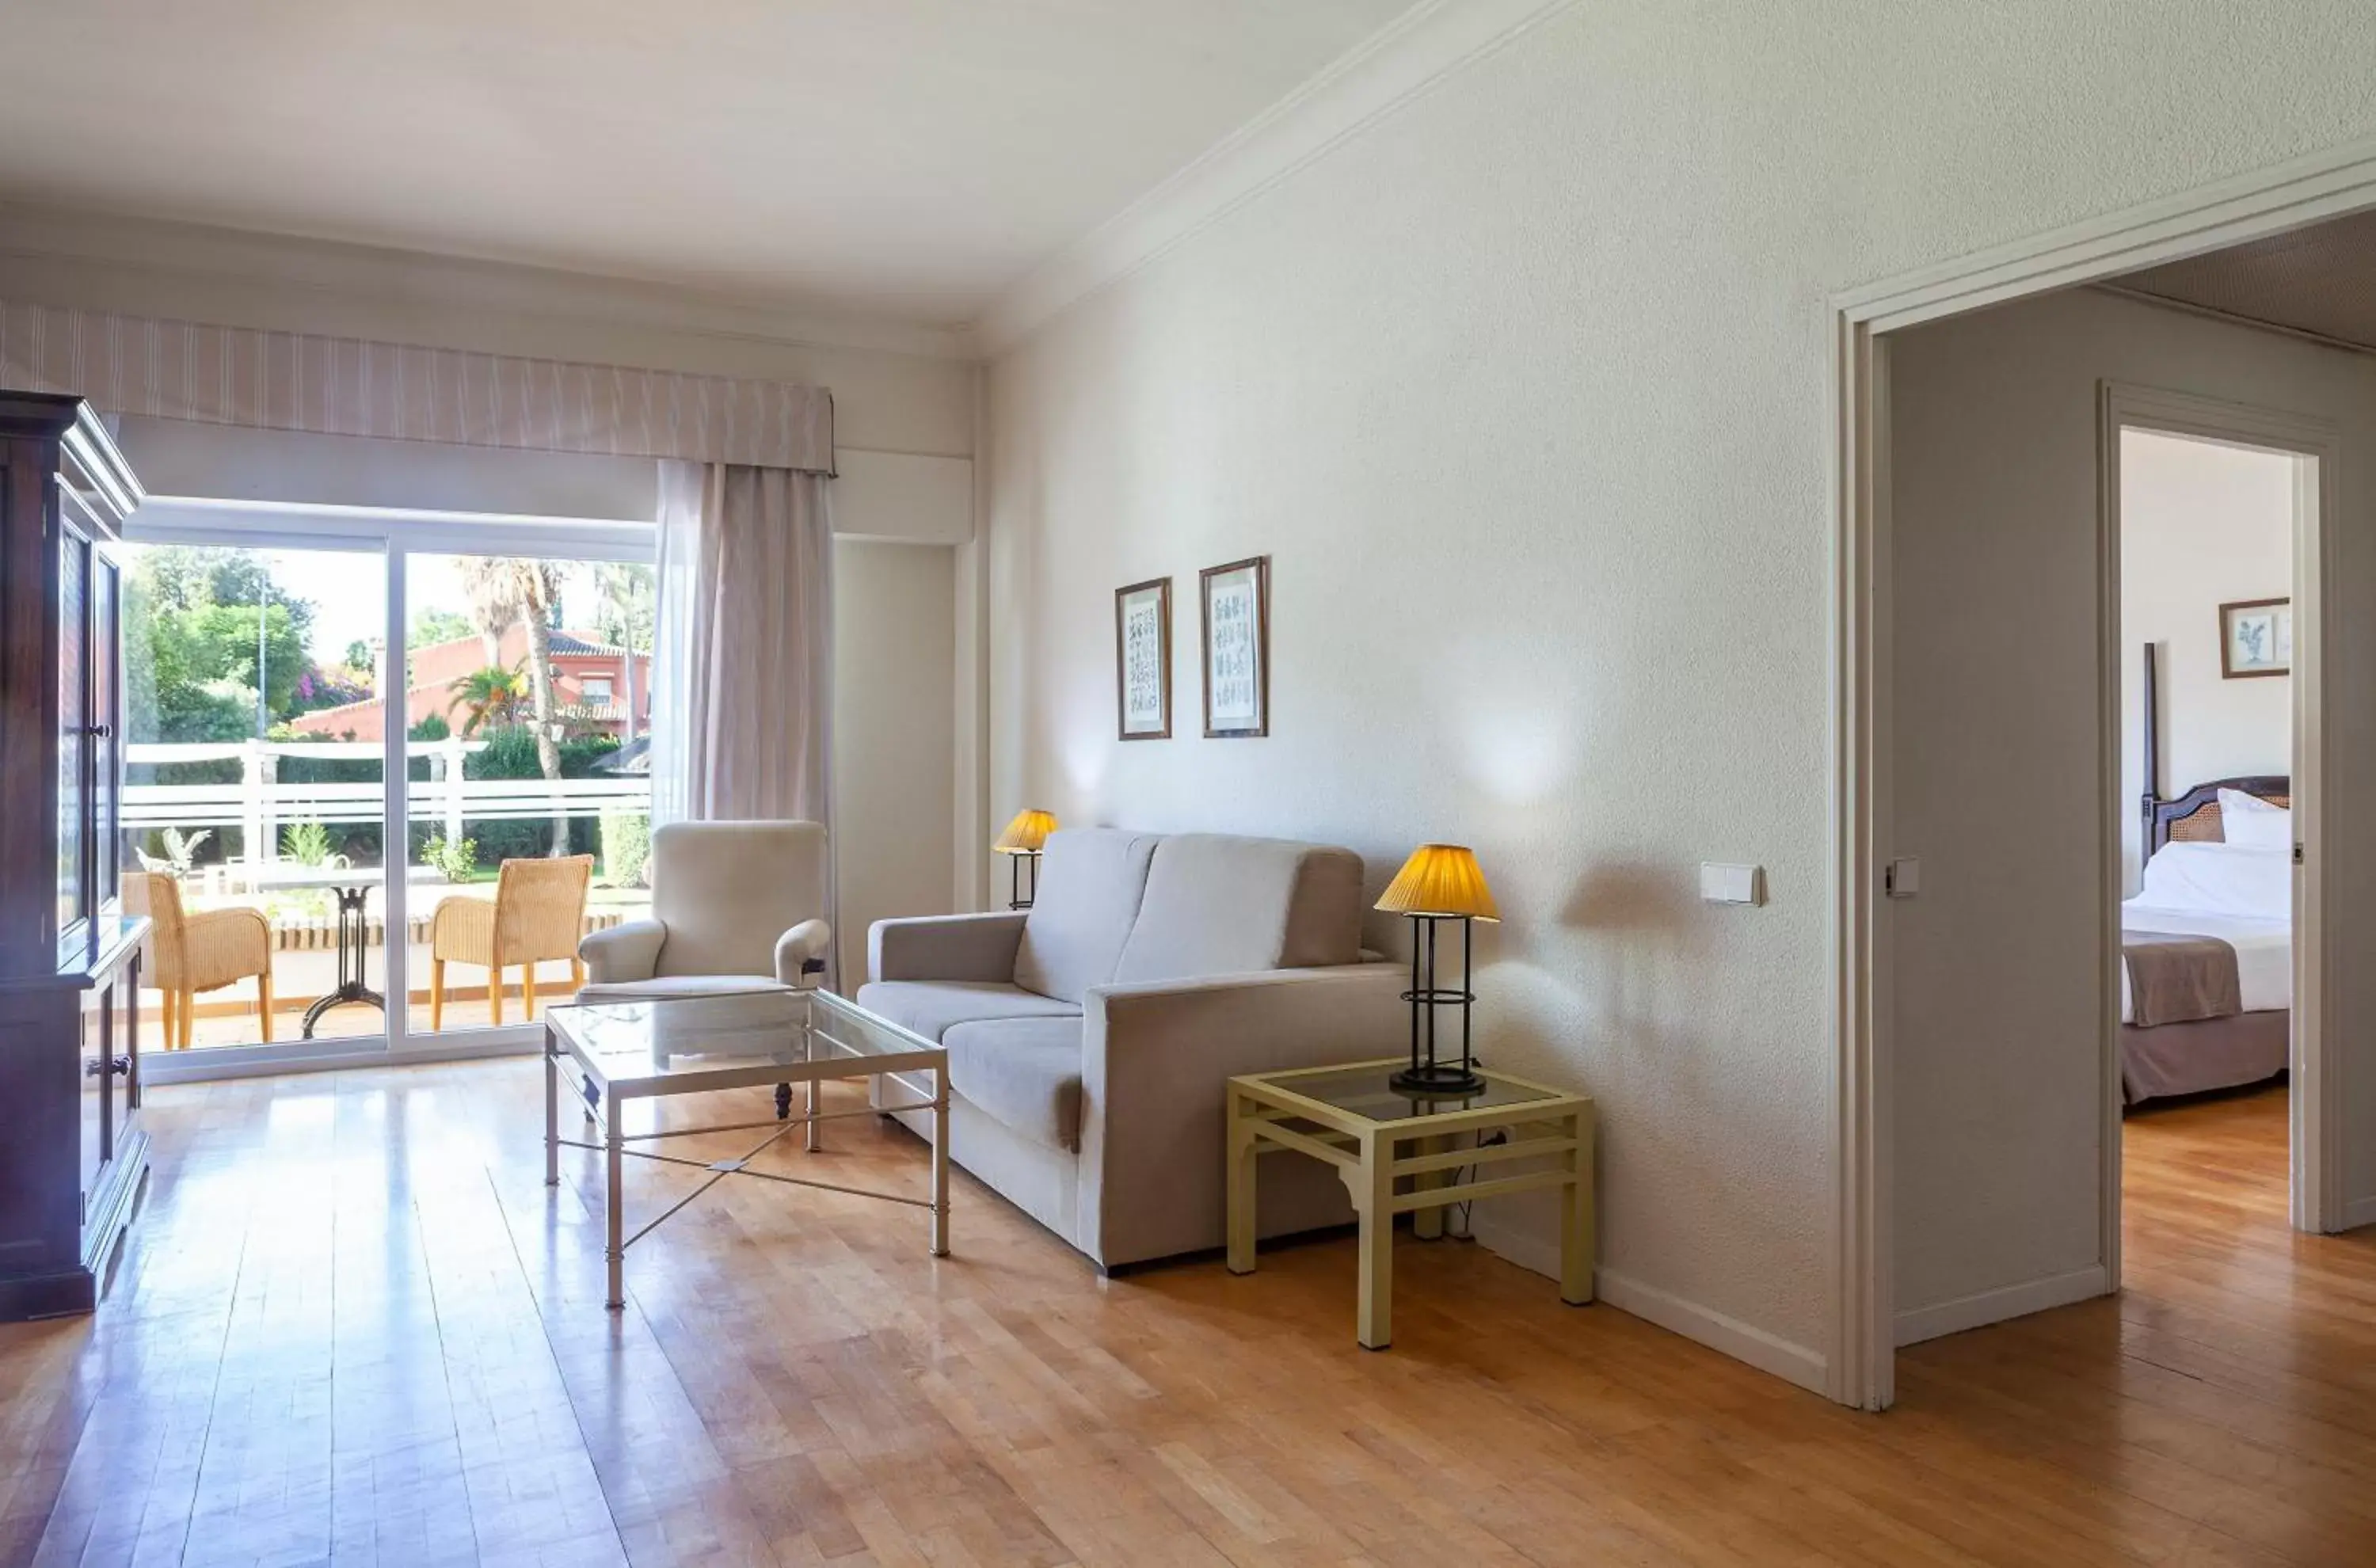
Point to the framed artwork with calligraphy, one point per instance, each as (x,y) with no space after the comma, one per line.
(1142,659)
(1237,649)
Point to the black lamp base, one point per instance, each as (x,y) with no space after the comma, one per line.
(1437,1081)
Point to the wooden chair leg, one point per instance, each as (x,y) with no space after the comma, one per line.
(189,1007)
(577,975)
(263,1006)
(437,995)
(495,994)
(528,989)
(166,1036)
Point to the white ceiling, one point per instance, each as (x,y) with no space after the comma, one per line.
(2319,279)
(899,158)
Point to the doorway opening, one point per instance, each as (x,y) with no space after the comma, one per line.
(1993,811)
(2206,534)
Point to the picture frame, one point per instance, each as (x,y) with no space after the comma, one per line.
(2256,638)
(1143,660)
(1234,610)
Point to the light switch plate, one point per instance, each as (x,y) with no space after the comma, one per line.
(1732,885)
(1903,878)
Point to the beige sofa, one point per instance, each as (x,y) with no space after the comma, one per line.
(1089,1040)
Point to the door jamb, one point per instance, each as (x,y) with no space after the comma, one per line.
(2316,1137)
(1861,1362)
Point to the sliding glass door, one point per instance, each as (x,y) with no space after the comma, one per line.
(531,676)
(304,909)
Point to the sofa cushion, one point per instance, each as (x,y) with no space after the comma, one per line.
(1090,879)
(1024,1072)
(1217,904)
(930,1007)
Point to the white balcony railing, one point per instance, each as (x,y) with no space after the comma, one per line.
(261,803)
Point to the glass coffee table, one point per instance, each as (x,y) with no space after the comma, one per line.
(624,1051)
(1353,1118)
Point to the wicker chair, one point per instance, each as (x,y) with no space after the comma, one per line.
(538,909)
(200,951)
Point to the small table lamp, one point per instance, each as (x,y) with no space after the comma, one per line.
(1440,882)
(1021,842)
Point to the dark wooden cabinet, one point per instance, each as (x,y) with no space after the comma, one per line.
(73,1156)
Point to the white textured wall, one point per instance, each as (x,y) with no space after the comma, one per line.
(2000,992)
(2202,525)
(1524,389)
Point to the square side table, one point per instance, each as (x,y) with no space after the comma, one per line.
(1351,1117)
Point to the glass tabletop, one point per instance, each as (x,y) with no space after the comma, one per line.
(1364,1091)
(651,1042)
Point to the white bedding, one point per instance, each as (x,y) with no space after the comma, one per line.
(2241,895)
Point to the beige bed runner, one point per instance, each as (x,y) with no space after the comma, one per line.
(2179,979)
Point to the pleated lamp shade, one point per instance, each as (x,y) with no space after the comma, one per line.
(1025,833)
(1440,879)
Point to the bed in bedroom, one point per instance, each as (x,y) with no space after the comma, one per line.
(2207,970)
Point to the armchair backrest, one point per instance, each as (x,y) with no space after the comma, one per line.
(727,890)
(158,897)
(541,907)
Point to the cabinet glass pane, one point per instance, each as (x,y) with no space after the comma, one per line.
(72,674)
(107,718)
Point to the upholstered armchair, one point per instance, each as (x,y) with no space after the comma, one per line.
(538,911)
(736,907)
(199,952)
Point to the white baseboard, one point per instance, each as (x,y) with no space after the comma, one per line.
(1995,1306)
(1742,1341)
(2359,1212)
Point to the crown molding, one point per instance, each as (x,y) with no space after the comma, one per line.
(334,271)
(1410,54)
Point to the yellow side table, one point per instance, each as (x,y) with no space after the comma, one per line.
(1350,1117)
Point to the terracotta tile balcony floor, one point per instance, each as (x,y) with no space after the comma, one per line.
(227,1018)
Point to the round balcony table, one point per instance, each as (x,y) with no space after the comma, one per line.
(351,886)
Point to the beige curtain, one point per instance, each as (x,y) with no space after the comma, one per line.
(742,699)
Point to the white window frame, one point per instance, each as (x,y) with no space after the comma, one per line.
(395,535)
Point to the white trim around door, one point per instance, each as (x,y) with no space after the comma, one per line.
(1862,1364)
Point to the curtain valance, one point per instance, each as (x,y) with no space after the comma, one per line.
(350,386)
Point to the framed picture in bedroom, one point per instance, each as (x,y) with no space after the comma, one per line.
(1142,659)
(2256,637)
(1236,615)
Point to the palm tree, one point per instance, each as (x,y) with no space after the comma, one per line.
(504,588)
(489,696)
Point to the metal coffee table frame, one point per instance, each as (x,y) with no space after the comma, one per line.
(848,1062)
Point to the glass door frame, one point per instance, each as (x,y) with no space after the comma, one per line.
(395,536)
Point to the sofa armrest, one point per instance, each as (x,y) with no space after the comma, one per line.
(629,951)
(947,947)
(1156,1059)
(799,953)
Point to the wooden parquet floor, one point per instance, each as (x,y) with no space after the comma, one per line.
(353,1325)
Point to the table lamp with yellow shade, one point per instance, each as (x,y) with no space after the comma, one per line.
(1024,838)
(1439,883)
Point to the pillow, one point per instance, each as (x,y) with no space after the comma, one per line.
(2252,823)
(2218,879)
